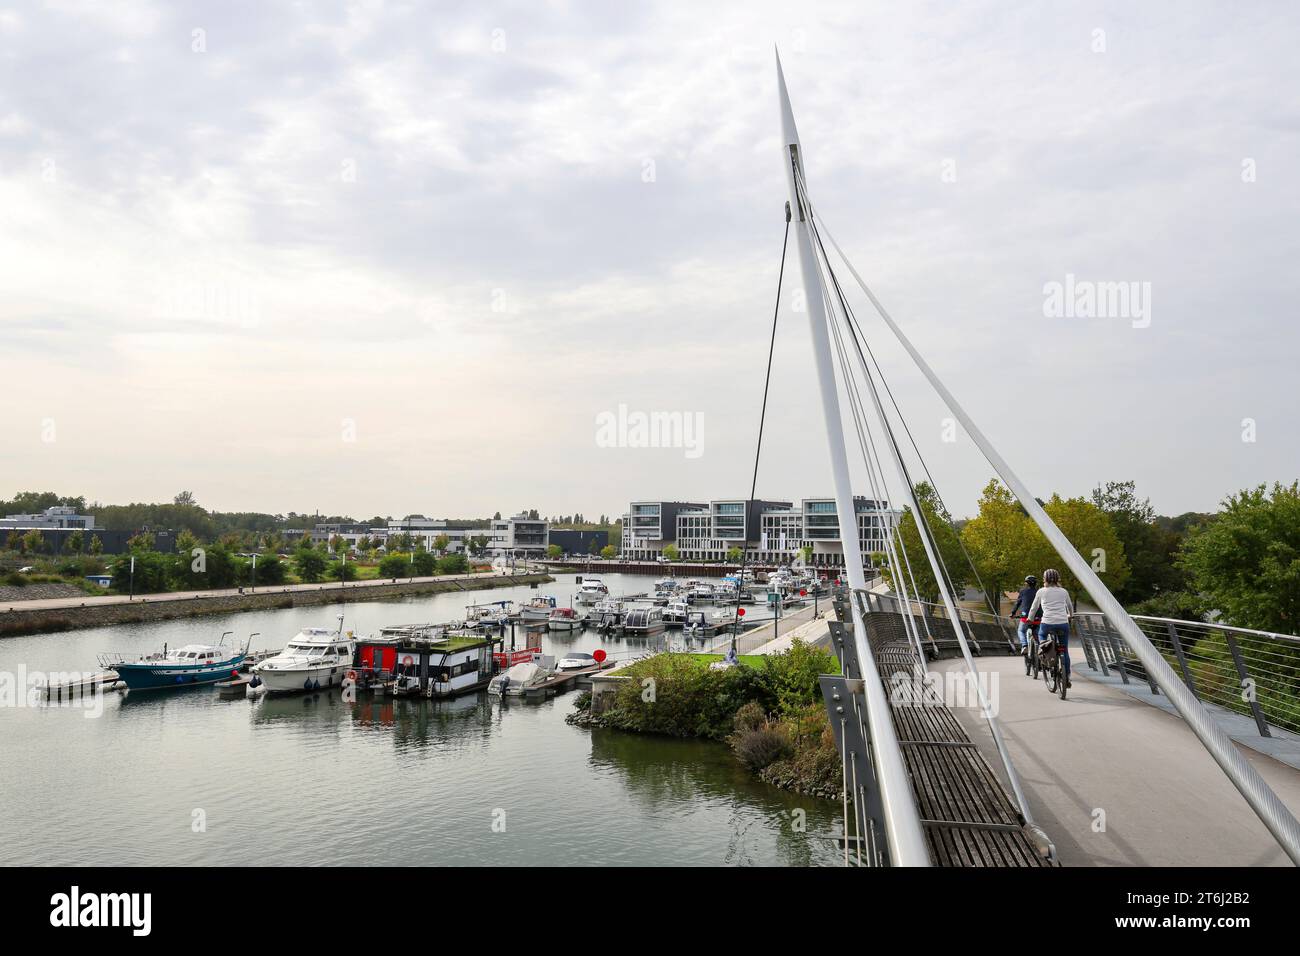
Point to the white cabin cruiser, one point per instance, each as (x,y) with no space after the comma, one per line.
(316,657)
(675,612)
(592,590)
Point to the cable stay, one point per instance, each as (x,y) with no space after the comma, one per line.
(822,263)
(1280,822)
(762,418)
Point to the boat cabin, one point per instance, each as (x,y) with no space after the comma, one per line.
(445,663)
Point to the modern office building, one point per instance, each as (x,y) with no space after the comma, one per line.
(520,536)
(60,516)
(768,532)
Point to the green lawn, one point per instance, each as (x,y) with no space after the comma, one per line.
(749,660)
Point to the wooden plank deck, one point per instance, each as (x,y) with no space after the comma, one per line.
(968,818)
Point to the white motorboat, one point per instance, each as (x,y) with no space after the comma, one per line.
(564,619)
(591,590)
(491,616)
(537,611)
(575,661)
(316,657)
(676,611)
(519,679)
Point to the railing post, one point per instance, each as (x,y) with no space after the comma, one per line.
(1188,679)
(1085,638)
(1252,697)
(1119,657)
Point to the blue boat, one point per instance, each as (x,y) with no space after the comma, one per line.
(186,666)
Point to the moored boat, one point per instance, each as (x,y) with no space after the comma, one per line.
(185,666)
(564,619)
(314,658)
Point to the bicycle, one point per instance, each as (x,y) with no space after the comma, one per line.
(1053,672)
(1031,653)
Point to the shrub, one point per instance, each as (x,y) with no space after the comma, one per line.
(790,679)
(760,746)
(751,716)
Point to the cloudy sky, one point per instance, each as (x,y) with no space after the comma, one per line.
(373,258)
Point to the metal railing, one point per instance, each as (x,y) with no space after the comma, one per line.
(1255,673)
(983,626)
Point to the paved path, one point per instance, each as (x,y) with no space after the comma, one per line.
(1166,801)
(87,600)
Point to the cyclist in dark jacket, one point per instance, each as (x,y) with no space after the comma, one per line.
(1024,602)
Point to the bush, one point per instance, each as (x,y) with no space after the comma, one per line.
(760,746)
(395,566)
(453,564)
(674,694)
(751,716)
(790,679)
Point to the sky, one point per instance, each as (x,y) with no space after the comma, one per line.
(383,258)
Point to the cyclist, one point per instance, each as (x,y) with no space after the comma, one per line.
(1054,603)
(1024,601)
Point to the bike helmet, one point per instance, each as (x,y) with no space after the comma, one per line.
(1030,579)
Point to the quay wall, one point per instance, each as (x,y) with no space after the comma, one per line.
(160,608)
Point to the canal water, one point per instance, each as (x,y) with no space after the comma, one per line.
(186,778)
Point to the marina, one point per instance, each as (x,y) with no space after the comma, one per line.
(199,747)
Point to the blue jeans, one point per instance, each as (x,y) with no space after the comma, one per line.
(1062,634)
(1023,633)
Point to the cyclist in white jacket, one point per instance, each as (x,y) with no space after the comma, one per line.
(1054,601)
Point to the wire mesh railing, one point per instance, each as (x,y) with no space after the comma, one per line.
(1254,673)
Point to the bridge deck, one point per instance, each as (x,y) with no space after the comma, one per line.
(968,818)
(1117,782)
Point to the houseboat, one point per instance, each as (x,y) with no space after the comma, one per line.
(643,621)
(185,666)
(428,660)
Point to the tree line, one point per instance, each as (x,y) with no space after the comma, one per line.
(1241,563)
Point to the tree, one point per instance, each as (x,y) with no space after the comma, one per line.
(1001,540)
(342,571)
(140,542)
(96,546)
(395,565)
(907,536)
(185,498)
(309,563)
(74,543)
(453,564)
(554,551)
(32,541)
(14,541)
(608,552)
(1089,529)
(1246,562)
(339,544)
(441,543)
(425,563)
(734,554)
(1151,550)
(186,542)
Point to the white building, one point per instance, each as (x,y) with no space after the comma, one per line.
(60,516)
(768,532)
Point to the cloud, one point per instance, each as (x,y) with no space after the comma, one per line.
(473,230)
